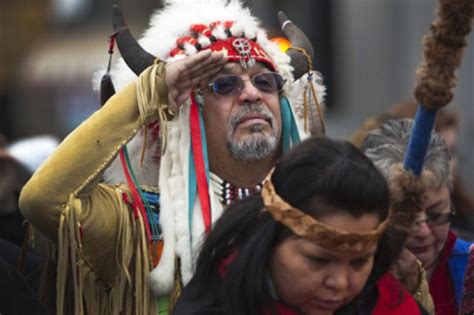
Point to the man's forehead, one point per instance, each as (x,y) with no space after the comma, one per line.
(236,68)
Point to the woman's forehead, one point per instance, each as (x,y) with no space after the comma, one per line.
(313,248)
(436,188)
(435,194)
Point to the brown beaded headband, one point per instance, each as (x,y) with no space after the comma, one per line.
(308,227)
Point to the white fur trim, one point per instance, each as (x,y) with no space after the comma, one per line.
(161,279)
(251,32)
(181,159)
(204,41)
(174,203)
(190,49)
(237,30)
(219,32)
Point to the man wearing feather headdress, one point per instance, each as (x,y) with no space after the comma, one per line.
(212,109)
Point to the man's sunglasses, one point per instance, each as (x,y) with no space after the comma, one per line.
(233,85)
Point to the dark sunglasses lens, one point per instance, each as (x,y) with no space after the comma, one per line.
(268,82)
(227,85)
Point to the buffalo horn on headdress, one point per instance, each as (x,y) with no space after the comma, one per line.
(297,39)
(133,54)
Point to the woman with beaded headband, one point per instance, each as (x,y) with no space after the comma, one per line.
(215,105)
(312,242)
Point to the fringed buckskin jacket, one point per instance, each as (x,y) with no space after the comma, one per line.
(102,250)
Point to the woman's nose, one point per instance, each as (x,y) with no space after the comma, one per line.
(422,229)
(338,279)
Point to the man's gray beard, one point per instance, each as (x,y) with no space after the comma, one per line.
(257,146)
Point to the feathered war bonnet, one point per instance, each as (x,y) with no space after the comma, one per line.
(182,28)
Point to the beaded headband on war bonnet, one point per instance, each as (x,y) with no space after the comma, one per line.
(224,36)
(308,227)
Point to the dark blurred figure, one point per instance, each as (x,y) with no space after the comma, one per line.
(13,176)
(16,296)
(447,126)
(20,268)
(468,298)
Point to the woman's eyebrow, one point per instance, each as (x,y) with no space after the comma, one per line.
(436,205)
(324,253)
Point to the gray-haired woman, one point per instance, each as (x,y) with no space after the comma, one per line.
(442,254)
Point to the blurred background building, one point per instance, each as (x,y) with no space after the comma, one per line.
(367,51)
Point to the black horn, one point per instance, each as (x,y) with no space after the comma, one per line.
(297,39)
(133,54)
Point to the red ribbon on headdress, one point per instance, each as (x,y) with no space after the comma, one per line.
(198,155)
(136,196)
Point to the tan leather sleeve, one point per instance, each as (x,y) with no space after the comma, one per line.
(75,169)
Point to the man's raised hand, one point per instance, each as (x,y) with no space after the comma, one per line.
(184,75)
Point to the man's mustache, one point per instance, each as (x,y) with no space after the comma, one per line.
(253,110)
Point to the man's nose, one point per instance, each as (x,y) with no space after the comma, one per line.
(250,94)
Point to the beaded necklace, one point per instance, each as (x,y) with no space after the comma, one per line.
(229,193)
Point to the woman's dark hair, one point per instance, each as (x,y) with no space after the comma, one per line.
(240,246)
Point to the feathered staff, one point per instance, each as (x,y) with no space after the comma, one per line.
(435,82)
